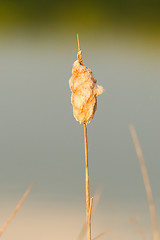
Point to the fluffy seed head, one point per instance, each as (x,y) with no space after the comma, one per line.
(84,91)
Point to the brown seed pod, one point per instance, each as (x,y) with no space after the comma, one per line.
(84,90)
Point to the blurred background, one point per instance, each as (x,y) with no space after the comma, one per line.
(41,142)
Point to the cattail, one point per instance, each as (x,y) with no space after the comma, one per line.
(84,100)
(84,90)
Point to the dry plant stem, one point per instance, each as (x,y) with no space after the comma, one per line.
(78,42)
(15,210)
(146,183)
(101,234)
(88,214)
(90,208)
(96,198)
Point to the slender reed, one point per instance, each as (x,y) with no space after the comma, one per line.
(93,206)
(146,183)
(88,210)
(15,210)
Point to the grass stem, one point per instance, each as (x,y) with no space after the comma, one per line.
(88,213)
(15,210)
(101,234)
(146,183)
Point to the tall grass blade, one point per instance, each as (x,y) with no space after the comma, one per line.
(146,183)
(15,211)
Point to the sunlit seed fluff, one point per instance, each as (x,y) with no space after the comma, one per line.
(84,91)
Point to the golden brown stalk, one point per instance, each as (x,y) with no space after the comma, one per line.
(15,210)
(88,213)
(79,52)
(90,208)
(96,198)
(146,183)
(78,42)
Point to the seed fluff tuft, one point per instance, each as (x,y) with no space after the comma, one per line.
(84,90)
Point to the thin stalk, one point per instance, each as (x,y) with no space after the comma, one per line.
(88,214)
(15,210)
(93,206)
(101,234)
(146,183)
(90,208)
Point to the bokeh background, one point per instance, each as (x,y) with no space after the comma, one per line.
(40,141)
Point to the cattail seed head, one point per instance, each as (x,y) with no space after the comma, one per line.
(84,90)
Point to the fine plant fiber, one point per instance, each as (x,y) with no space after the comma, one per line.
(146,183)
(15,210)
(138,228)
(101,234)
